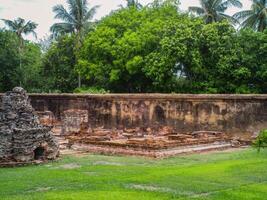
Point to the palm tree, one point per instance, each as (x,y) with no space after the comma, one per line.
(74,20)
(133,4)
(256,17)
(214,10)
(20,27)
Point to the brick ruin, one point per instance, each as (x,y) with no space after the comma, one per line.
(22,138)
(153,125)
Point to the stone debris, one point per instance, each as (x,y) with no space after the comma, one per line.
(161,138)
(22,137)
(156,143)
(160,153)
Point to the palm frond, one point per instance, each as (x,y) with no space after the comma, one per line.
(235,3)
(10,24)
(85,7)
(62,28)
(214,10)
(214,4)
(256,17)
(29,28)
(20,22)
(242,15)
(224,5)
(90,14)
(73,19)
(61,13)
(250,22)
(72,7)
(19,27)
(134,3)
(196,10)
(231,19)
(203,3)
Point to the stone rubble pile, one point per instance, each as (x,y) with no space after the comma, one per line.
(160,138)
(22,137)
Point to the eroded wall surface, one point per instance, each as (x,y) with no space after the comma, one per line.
(232,114)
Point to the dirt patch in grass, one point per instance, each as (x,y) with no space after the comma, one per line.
(153,188)
(40,189)
(91,173)
(43,189)
(68,166)
(150,188)
(107,163)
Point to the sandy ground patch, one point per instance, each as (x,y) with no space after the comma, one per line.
(68,166)
(108,163)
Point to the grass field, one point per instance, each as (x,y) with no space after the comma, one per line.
(239,175)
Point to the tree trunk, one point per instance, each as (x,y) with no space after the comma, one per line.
(78,46)
(79,81)
(21,80)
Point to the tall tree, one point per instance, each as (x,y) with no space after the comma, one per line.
(214,10)
(75,19)
(9,60)
(59,65)
(21,27)
(256,17)
(116,56)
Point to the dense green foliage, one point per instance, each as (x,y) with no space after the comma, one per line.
(160,50)
(239,175)
(9,60)
(153,48)
(31,68)
(11,73)
(75,21)
(59,66)
(90,90)
(115,55)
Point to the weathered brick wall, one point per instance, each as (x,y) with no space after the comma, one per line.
(233,114)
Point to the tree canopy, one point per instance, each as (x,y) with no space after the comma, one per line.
(160,50)
(152,48)
(10,72)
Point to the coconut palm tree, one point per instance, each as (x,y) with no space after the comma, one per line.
(256,17)
(21,27)
(74,20)
(214,10)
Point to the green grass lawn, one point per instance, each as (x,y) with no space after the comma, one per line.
(238,175)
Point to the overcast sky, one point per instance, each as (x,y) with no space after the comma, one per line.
(40,11)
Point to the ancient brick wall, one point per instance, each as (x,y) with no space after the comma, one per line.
(232,114)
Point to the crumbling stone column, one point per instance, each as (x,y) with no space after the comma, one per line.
(22,137)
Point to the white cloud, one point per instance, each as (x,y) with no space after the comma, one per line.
(40,11)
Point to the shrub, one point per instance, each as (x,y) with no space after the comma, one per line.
(91,90)
(261,141)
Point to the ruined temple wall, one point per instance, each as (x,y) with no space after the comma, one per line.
(233,114)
